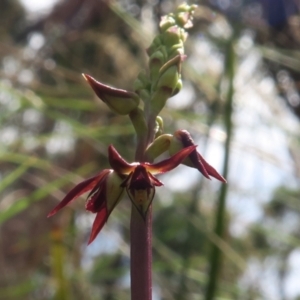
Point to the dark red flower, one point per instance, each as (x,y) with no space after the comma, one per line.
(107,187)
(182,139)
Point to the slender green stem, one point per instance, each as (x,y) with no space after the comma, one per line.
(215,258)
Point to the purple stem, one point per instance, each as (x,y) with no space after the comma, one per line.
(141,241)
(141,255)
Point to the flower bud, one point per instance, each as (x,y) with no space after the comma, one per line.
(184,15)
(159,126)
(156,61)
(166,22)
(178,87)
(169,74)
(172,36)
(177,49)
(142,85)
(156,43)
(141,82)
(166,84)
(119,101)
(160,145)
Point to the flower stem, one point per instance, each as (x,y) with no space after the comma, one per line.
(141,255)
(141,242)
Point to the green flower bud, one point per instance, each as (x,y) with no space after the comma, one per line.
(157,59)
(159,129)
(168,79)
(175,145)
(172,36)
(156,43)
(184,7)
(175,50)
(158,146)
(142,82)
(119,101)
(166,22)
(178,87)
(184,15)
(166,84)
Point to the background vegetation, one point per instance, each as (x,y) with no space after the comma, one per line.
(240,102)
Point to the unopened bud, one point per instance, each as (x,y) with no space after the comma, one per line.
(160,145)
(142,82)
(177,88)
(159,126)
(172,36)
(156,61)
(156,43)
(166,84)
(166,22)
(177,49)
(119,101)
(184,15)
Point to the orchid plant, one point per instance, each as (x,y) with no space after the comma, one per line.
(151,91)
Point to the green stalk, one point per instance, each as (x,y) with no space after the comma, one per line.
(215,258)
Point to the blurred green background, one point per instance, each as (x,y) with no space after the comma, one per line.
(241,104)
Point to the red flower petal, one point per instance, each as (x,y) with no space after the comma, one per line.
(198,163)
(118,163)
(99,222)
(78,190)
(96,199)
(102,90)
(170,163)
(210,169)
(154,180)
(195,157)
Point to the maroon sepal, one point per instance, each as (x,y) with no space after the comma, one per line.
(197,160)
(78,190)
(118,163)
(99,222)
(170,163)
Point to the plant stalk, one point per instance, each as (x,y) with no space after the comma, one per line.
(141,255)
(141,238)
